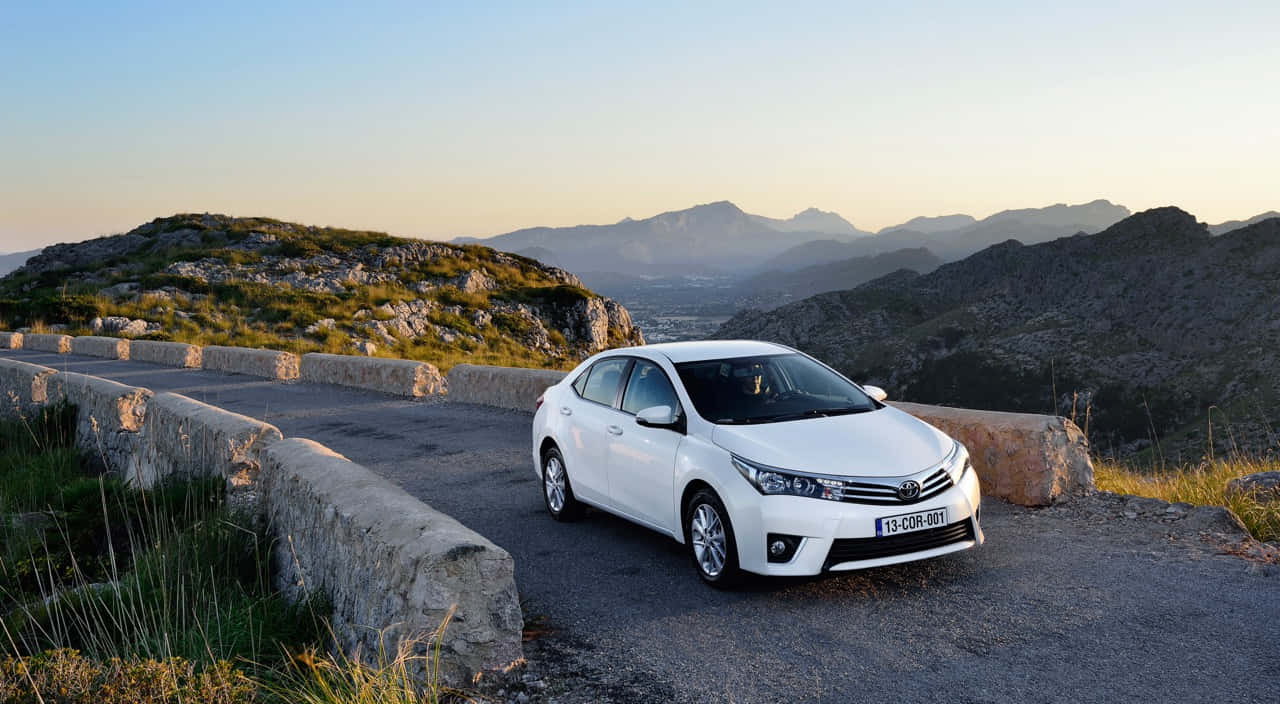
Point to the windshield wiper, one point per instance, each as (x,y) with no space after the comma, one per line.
(815,413)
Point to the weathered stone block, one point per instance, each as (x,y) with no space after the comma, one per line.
(504,387)
(402,377)
(1024,458)
(270,364)
(107,347)
(47,343)
(170,354)
(109,417)
(388,561)
(10,340)
(24,385)
(192,439)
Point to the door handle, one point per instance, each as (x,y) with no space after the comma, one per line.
(566,411)
(614,430)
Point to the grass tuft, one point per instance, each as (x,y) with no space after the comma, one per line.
(1202,485)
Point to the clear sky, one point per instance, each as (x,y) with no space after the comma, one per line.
(445,119)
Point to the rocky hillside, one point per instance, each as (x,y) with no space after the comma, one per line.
(1137,332)
(775,288)
(214,279)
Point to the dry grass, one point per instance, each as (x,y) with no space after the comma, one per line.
(1203,484)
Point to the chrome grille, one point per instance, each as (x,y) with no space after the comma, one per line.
(870,491)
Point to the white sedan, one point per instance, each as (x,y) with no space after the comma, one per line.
(757,457)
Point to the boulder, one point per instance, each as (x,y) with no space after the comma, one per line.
(1260,486)
(474,281)
(1028,459)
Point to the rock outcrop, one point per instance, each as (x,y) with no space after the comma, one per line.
(212,279)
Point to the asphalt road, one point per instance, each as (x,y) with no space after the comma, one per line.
(1069,604)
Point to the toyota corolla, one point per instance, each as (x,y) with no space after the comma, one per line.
(756,457)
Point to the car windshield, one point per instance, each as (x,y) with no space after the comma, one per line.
(769,389)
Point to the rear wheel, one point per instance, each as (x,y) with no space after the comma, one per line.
(709,535)
(557,493)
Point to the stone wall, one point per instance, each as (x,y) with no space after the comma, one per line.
(108,347)
(109,418)
(188,438)
(503,387)
(10,340)
(384,557)
(401,377)
(47,343)
(24,385)
(170,354)
(390,564)
(270,364)
(1024,458)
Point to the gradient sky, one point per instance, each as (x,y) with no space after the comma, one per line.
(437,120)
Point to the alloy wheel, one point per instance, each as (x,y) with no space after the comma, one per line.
(554,484)
(707,532)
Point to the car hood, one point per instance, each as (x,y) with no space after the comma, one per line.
(881,443)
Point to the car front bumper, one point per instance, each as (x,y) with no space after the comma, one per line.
(851,528)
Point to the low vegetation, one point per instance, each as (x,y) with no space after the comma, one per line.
(258,282)
(112,594)
(1203,484)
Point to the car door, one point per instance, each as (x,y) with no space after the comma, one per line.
(642,459)
(589,412)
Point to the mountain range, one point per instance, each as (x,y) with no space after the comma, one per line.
(721,238)
(1136,332)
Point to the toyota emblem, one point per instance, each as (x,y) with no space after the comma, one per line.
(908,490)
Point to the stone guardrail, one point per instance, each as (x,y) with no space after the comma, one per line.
(269,364)
(10,340)
(384,557)
(60,344)
(1024,458)
(389,563)
(503,387)
(25,385)
(401,377)
(187,438)
(170,354)
(1028,459)
(108,417)
(106,347)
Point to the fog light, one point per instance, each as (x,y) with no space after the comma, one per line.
(782,547)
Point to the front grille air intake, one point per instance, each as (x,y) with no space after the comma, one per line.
(855,549)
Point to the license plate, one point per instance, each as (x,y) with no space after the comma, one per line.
(911,522)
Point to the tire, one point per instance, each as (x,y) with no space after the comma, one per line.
(557,493)
(706,526)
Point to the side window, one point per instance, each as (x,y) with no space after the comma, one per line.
(580,384)
(603,381)
(648,387)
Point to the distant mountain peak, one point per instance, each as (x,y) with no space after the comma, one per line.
(815,220)
(1164,223)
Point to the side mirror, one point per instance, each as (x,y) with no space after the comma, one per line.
(875,392)
(658,417)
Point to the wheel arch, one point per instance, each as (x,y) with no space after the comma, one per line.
(693,487)
(547,443)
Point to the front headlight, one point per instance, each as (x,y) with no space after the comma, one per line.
(958,463)
(773,482)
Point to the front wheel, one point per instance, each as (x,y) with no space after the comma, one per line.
(557,493)
(709,535)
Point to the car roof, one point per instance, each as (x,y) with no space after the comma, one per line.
(679,352)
